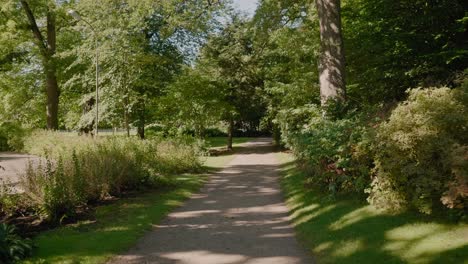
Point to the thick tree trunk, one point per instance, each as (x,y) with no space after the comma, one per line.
(52,98)
(48,49)
(332,58)
(230,130)
(51,78)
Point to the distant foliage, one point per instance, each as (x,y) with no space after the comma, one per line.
(11,136)
(421,155)
(12,247)
(77,170)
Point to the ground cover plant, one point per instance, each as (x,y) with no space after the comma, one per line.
(12,246)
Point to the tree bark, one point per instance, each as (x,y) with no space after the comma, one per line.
(230,130)
(141,117)
(52,97)
(332,57)
(141,132)
(47,49)
(127,120)
(126,105)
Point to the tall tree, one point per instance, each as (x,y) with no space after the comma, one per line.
(141,46)
(47,48)
(332,57)
(229,59)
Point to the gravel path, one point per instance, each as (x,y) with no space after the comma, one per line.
(239,217)
(12,165)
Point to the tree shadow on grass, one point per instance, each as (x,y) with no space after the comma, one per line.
(116,228)
(349,231)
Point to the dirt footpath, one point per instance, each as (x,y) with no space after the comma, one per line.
(239,217)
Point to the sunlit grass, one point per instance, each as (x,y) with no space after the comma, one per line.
(346,230)
(117,226)
(215,142)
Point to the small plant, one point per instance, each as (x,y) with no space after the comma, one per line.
(12,247)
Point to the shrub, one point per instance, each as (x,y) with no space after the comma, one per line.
(11,136)
(214,132)
(456,197)
(421,156)
(334,153)
(78,170)
(12,247)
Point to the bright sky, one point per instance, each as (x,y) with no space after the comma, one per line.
(248,6)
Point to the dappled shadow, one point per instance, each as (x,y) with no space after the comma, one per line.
(115,227)
(238,217)
(349,231)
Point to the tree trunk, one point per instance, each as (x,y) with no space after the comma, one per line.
(141,132)
(141,119)
(48,49)
(51,78)
(126,103)
(230,130)
(332,58)
(52,98)
(127,122)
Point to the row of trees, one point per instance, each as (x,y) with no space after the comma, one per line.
(247,72)
(328,78)
(47,61)
(292,53)
(46,58)
(350,121)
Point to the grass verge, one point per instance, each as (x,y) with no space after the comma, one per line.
(345,230)
(117,226)
(215,142)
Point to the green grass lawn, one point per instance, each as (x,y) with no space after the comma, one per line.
(349,231)
(118,225)
(215,142)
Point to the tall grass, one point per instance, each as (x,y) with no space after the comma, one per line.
(78,170)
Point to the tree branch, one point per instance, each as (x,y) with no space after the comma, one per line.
(34,27)
(51,34)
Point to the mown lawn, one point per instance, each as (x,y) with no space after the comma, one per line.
(117,226)
(215,142)
(344,230)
